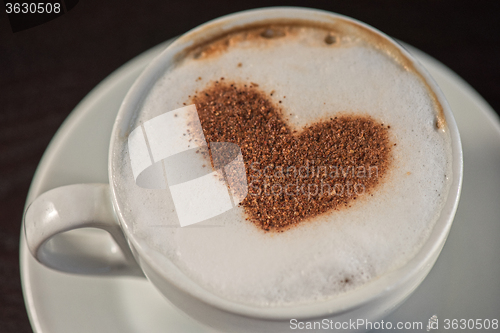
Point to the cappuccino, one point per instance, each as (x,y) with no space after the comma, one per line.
(309,105)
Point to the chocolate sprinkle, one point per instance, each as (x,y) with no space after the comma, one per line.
(293,176)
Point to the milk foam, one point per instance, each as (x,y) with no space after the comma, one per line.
(337,251)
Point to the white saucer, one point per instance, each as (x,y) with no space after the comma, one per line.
(464,284)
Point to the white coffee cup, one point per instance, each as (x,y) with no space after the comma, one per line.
(95,205)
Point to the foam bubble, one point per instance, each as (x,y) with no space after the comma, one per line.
(321,76)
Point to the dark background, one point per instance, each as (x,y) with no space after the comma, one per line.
(46,70)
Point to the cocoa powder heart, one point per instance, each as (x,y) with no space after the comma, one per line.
(293,176)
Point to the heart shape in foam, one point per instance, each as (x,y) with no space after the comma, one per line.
(293,176)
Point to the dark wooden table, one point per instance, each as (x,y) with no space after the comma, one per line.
(46,70)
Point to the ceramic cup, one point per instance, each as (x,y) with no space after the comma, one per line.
(95,206)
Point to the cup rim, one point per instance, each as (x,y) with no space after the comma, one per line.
(344,302)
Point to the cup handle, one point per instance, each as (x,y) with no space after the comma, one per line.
(72,207)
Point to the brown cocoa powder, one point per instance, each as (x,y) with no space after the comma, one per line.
(293,175)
